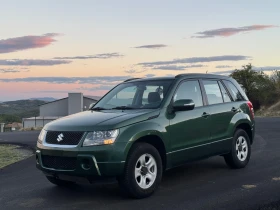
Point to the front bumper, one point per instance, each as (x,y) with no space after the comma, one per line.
(89,161)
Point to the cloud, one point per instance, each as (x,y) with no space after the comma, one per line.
(264,68)
(170,75)
(223,66)
(32,62)
(97,56)
(197,60)
(14,70)
(133,71)
(51,91)
(70,80)
(26,42)
(225,32)
(100,87)
(150,75)
(177,68)
(152,46)
(9,71)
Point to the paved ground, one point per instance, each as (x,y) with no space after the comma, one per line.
(207,184)
(27,138)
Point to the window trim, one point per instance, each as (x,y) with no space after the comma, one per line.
(243,99)
(186,80)
(230,96)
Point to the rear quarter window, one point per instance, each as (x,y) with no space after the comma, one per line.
(234,92)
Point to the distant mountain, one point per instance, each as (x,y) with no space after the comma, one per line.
(21,108)
(46,99)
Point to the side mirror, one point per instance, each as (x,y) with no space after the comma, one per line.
(183,105)
(91,105)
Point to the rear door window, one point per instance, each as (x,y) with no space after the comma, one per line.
(213,92)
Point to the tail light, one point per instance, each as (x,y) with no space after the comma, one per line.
(251,108)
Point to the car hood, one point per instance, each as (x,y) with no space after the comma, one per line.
(100,120)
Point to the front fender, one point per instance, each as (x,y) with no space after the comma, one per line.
(132,133)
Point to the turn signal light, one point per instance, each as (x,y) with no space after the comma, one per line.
(108,141)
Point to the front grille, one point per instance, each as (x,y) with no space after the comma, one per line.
(64,138)
(57,162)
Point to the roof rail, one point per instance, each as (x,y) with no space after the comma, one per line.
(131,79)
(180,75)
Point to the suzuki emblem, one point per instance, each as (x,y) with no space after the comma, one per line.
(60,137)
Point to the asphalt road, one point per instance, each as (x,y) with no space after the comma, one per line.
(207,184)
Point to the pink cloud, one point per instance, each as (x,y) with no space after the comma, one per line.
(26,42)
(225,32)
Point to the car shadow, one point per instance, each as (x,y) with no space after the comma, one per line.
(184,175)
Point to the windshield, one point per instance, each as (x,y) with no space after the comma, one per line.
(135,95)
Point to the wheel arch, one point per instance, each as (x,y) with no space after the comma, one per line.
(154,139)
(247,128)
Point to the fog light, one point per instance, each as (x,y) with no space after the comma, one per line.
(86,165)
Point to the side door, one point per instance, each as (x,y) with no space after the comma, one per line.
(221,110)
(188,130)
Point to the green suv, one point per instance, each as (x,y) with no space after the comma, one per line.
(143,127)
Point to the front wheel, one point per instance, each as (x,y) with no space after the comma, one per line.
(240,151)
(143,171)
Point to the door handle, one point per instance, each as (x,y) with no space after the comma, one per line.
(205,115)
(234,109)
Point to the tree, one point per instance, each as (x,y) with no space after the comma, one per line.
(259,87)
(275,78)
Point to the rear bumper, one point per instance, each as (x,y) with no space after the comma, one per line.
(253,129)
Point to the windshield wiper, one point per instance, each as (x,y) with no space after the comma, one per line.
(98,108)
(123,107)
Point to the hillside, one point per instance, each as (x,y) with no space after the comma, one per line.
(271,111)
(16,110)
(46,99)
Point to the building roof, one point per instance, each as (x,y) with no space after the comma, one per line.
(95,98)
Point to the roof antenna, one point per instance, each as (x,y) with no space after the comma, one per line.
(206,71)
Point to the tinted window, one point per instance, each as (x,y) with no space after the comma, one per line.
(150,89)
(189,90)
(138,95)
(233,91)
(225,93)
(124,97)
(213,92)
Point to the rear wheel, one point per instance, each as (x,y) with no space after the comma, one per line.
(240,151)
(59,182)
(143,171)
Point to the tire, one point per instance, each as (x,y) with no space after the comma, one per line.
(240,152)
(59,182)
(140,180)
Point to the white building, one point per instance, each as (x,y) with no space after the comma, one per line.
(74,103)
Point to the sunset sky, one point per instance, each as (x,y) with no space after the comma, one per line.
(50,48)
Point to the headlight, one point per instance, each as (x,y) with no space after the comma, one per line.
(101,137)
(42,135)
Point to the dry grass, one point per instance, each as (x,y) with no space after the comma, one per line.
(10,154)
(31,129)
(272,111)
